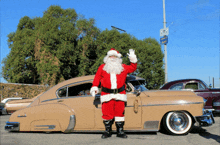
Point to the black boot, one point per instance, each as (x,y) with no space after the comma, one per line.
(120,131)
(108,128)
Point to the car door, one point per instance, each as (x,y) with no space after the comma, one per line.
(78,98)
(132,118)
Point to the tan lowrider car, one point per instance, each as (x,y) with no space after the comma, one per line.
(68,107)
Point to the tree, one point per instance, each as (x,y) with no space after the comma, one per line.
(50,49)
(86,44)
(55,45)
(112,39)
(20,65)
(60,46)
(150,63)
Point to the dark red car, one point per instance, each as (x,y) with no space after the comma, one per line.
(212,95)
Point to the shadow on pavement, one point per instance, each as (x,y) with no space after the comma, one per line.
(202,132)
(84,132)
(216,114)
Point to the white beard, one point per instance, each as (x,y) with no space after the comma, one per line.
(113,65)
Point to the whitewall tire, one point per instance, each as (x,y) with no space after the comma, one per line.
(178,123)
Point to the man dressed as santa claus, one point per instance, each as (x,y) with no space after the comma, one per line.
(112,76)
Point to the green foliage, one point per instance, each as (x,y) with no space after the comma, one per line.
(21,90)
(61,45)
(150,63)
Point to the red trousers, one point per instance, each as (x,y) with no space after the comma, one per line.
(113,109)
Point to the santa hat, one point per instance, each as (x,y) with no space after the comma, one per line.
(113,51)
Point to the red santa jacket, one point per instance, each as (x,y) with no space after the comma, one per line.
(113,81)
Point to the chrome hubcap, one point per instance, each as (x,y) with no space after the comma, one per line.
(178,121)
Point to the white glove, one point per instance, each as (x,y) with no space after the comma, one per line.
(132,56)
(94,90)
(93,93)
(131,53)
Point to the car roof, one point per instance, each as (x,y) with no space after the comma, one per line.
(185,80)
(168,84)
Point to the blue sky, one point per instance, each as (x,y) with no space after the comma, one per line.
(193,48)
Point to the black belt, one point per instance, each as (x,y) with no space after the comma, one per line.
(115,91)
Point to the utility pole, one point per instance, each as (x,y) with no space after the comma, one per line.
(165,46)
(164,40)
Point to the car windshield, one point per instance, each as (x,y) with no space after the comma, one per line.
(139,85)
(205,84)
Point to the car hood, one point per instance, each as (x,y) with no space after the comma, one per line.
(215,90)
(170,97)
(168,93)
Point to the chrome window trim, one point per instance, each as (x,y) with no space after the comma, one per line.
(65,98)
(49,100)
(67,91)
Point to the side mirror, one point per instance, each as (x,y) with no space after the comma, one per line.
(137,92)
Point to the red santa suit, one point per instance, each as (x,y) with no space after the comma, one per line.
(113,103)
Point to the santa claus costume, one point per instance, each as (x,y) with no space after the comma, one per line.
(112,76)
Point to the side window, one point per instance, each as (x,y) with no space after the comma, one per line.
(176,87)
(62,92)
(193,86)
(80,90)
(77,90)
(201,86)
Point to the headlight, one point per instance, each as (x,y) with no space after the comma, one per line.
(204,100)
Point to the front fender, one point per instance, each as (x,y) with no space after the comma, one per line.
(41,117)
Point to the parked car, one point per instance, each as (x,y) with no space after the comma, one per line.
(6,100)
(68,107)
(15,105)
(212,95)
(10,99)
(2,105)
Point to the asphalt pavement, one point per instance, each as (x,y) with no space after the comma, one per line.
(202,136)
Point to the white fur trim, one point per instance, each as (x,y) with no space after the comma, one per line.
(119,119)
(133,58)
(113,52)
(93,89)
(108,97)
(113,81)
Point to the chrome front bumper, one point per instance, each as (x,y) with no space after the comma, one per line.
(12,126)
(206,119)
(4,111)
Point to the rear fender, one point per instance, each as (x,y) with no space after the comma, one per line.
(46,114)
